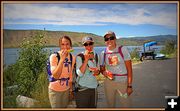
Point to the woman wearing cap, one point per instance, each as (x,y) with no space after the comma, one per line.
(61,67)
(116,62)
(86,68)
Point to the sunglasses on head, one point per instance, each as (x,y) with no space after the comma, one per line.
(110,38)
(91,43)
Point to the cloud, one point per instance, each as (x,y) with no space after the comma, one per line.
(59,14)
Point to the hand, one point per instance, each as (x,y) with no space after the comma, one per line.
(109,74)
(104,73)
(95,70)
(102,68)
(129,91)
(63,54)
(88,56)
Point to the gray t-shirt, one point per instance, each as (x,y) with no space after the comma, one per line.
(115,63)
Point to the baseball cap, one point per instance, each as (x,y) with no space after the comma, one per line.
(87,39)
(110,33)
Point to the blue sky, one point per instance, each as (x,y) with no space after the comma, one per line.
(125,19)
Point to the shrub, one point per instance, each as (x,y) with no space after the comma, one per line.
(31,62)
(9,75)
(40,91)
(135,54)
(9,101)
(169,48)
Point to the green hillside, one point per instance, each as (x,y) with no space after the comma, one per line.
(13,38)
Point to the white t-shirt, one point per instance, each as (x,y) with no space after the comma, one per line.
(115,63)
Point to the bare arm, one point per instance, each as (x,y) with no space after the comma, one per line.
(58,69)
(87,56)
(129,71)
(83,66)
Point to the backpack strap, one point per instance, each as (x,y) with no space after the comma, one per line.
(120,51)
(71,59)
(58,56)
(96,59)
(105,50)
(52,79)
(82,57)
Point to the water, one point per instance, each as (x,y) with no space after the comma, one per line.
(10,55)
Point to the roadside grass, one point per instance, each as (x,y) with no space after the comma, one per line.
(9,101)
(172,55)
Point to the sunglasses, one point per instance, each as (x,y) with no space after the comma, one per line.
(91,43)
(110,38)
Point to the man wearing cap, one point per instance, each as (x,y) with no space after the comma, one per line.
(86,68)
(117,63)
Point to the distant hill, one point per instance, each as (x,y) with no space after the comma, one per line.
(13,38)
(160,39)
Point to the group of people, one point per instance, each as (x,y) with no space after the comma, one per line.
(114,61)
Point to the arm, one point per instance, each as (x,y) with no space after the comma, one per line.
(129,71)
(128,63)
(83,66)
(130,75)
(57,69)
(87,56)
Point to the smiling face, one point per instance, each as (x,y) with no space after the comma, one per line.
(110,41)
(65,43)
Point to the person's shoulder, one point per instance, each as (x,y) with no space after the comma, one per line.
(120,46)
(53,54)
(73,55)
(123,47)
(103,51)
(53,57)
(79,55)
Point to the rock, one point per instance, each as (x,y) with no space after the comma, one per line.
(72,104)
(23,101)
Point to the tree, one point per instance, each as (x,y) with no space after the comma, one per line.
(169,47)
(31,62)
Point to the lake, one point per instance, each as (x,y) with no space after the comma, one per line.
(10,55)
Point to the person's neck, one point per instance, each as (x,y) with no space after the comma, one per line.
(111,48)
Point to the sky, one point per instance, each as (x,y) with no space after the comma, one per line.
(125,19)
